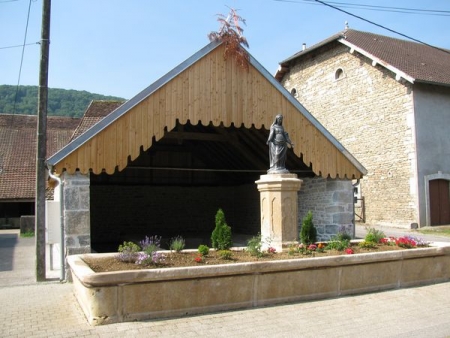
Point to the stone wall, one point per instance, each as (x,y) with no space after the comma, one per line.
(331,203)
(76,214)
(371,115)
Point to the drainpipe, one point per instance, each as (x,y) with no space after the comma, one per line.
(61,211)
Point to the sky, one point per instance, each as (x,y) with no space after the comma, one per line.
(120,47)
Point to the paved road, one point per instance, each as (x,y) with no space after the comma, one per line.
(49,309)
(361,230)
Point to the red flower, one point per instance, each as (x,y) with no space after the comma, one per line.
(349,251)
(199,259)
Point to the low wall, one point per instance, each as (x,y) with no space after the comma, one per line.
(121,296)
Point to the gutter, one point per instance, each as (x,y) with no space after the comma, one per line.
(61,211)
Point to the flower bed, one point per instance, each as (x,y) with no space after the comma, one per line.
(110,297)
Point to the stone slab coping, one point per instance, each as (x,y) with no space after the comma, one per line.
(89,278)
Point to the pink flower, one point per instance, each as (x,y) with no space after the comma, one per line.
(349,251)
(312,247)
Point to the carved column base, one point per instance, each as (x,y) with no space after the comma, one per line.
(279,209)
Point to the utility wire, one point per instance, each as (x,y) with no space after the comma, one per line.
(21,60)
(403,10)
(17,46)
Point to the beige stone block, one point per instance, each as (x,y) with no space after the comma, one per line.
(297,285)
(370,277)
(187,297)
(420,270)
(279,208)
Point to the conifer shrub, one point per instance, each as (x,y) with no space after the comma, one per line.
(203,249)
(221,235)
(308,233)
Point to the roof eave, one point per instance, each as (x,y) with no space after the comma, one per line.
(375,60)
(111,118)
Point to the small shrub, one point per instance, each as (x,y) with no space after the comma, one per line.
(367,245)
(151,244)
(177,244)
(339,245)
(203,249)
(293,249)
(221,235)
(308,233)
(254,246)
(128,252)
(374,236)
(225,254)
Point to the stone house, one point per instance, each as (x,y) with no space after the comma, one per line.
(388,102)
(194,141)
(18,161)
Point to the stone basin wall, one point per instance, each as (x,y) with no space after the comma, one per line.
(120,296)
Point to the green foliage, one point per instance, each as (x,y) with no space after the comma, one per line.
(27,234)
(308,233)
(128,252)
(203,249)
(221,235)
(177,244)
(338,244)
(254,246)
(225,254)
(61,102)
(374,236)
(367,245)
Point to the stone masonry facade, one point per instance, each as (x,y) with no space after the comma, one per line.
(372,116)
(76,214)
(331,203)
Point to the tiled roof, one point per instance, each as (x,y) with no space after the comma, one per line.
(423,63)
(18,151)
(96,111)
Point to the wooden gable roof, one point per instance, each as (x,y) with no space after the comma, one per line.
(204,89)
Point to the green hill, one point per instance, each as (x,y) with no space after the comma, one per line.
(61,102)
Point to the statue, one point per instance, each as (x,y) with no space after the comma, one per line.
(278,144)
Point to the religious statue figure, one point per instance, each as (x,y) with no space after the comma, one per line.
(278,144)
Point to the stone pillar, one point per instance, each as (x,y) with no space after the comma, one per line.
(77,226)
(278,199)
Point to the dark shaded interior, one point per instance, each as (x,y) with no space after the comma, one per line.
(177,185)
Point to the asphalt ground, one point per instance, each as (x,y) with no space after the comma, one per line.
(49,309)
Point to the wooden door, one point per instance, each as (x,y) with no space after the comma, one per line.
(439,202)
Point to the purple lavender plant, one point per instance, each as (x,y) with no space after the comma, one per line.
(151,244)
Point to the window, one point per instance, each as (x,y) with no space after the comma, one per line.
(339,74)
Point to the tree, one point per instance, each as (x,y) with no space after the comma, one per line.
(230,33)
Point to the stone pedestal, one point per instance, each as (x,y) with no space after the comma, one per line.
(278,199)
